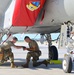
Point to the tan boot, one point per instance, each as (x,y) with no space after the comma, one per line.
(13,65)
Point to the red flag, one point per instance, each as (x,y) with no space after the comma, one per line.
(26,12)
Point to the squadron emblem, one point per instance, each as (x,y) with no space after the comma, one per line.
(33,5)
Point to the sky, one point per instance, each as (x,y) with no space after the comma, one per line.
(32,36)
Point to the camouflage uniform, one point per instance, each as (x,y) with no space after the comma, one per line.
(35,54)
(5,48)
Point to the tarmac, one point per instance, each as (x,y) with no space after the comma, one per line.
(19,58)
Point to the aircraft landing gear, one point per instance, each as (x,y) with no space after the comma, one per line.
(67,64)
(53,53)
(66,41)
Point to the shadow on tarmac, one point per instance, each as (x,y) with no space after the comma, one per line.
(19,62)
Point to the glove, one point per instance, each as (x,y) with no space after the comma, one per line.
(23,47)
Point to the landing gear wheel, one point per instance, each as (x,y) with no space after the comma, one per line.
(67,64)
(53,53)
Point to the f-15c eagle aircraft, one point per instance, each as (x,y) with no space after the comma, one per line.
(40,16)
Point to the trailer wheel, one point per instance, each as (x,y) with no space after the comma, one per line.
(53,53)
(67,64)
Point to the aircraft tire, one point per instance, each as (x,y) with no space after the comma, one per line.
(67,64)
(53,53)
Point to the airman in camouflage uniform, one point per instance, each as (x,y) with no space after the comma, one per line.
(33,52)
(6,51)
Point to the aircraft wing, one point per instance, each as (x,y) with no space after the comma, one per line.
(40,16)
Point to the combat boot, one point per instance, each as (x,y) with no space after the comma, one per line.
(45,63)
(25,65)
(13,65)
(35,64)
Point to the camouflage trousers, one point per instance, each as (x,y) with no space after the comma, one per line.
(8,55)
(34,54)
